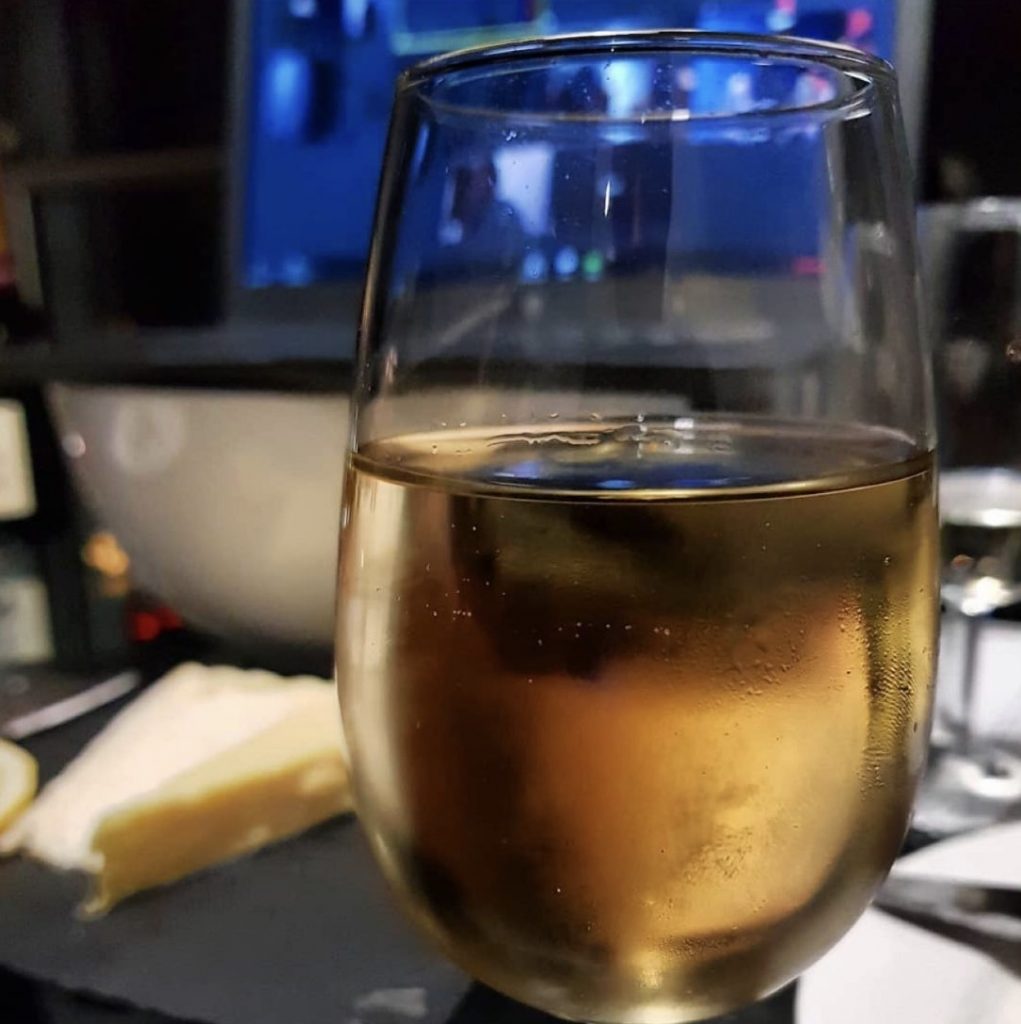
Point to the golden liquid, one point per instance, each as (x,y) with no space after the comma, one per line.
(636,713)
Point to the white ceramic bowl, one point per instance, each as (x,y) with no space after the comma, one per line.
(227,501)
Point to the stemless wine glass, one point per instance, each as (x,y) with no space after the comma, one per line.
(638,585)
(972,255)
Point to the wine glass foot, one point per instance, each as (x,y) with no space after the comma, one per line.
(961,793)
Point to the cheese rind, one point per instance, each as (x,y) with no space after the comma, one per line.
(19,776)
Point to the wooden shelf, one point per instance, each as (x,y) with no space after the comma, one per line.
(283,356)
(116,170)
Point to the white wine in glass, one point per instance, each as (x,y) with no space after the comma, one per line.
(980,510)
(638,587)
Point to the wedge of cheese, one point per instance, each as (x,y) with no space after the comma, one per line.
(208,764)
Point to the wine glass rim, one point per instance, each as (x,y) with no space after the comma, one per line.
(864,70)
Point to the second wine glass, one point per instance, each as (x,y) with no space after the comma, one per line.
(972,255)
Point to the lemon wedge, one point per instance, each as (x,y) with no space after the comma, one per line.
(19,775)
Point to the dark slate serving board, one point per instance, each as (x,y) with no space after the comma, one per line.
(301,933)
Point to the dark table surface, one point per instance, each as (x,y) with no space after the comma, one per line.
(300,933)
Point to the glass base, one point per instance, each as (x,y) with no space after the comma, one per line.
(961,793)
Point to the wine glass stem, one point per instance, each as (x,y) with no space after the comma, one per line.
(970,628)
